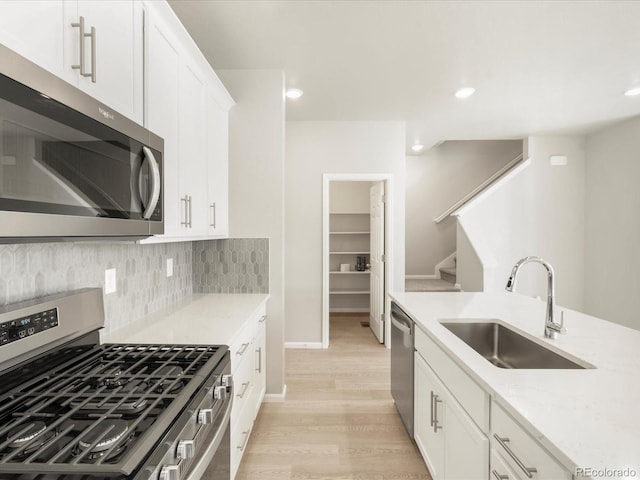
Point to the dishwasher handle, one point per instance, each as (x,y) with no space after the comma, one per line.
(404,328)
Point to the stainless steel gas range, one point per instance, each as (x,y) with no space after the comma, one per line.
(71,408)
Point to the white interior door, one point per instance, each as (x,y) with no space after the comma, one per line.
(376,275)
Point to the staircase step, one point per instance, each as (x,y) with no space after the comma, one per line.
(448,274)
(429,285)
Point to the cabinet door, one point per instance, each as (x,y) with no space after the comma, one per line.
(217,168)
(34,29)
(192,157)
(430,442)
(466,448)
(163,63)
(118,59)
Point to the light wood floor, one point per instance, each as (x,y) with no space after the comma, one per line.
(338,420)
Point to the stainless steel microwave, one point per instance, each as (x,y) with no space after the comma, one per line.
(70,167)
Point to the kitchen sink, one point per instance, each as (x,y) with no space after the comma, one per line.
(505,348)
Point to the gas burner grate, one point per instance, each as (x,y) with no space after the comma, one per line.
(99,409)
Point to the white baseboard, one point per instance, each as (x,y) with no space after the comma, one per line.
(420,277)
(302,344)
(276,397)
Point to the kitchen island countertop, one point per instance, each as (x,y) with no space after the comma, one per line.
(586,418)
(197,319)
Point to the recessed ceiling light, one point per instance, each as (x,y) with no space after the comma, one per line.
(294,93)
(632,92)
(465,92)
(417,147)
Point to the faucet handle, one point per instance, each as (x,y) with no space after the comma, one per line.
(560,327)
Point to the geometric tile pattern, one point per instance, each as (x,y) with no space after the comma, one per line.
(234,265)
(142,287)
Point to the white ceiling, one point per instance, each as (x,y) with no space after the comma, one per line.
(538,67)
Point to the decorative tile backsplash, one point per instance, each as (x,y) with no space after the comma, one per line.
(235,265)
(142,286)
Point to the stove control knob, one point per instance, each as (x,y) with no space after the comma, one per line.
(205,416)
(220,393)
(186,449)
(169,472)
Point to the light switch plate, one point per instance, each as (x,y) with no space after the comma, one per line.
(109,281)
(169,267)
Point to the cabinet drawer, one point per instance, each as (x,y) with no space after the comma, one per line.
(468,393)
(243,380)
(520,451)
(240,349)
(499,469)
(239,438)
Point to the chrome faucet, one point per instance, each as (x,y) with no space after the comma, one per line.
(551,327)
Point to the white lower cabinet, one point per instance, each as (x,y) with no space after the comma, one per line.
(521,452)
(452,445)
(462,433)
(249,381)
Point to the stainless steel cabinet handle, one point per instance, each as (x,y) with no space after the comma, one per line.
(245,387)
(246,440)
(242,349)
(213,215)
(431,408)
(528,471)
(436,423)
(82,35)
(185,222)
(498,476)
(259,352)
(189,198)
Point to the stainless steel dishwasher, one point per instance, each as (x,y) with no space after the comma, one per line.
(402,348)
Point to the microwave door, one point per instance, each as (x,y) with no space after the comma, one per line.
(61,185)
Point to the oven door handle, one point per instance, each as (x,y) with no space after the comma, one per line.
(155,183)
(198,470)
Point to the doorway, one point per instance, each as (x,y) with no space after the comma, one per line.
(356,233)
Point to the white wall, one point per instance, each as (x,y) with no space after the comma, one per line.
(435,181)
(349,197)
(312,149)
(612,254)
(538,212)
(256,188)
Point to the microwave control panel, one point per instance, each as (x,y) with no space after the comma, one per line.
(23,327)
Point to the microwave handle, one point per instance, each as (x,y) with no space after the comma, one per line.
(155,183)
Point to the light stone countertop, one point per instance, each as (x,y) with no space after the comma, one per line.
(197,319)
(585,418)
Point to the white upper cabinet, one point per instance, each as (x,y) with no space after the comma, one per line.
(217,134)
(188,107)
(49,34)
(113,45)
(35,30)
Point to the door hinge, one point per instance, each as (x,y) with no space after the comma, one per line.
(383,258)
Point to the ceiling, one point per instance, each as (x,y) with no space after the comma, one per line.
(537,67)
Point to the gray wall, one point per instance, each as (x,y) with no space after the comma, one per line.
(435,181)
(612,252)
(541,211)
(313,149)
(256,188)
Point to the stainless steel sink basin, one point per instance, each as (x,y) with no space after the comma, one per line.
(507,349)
